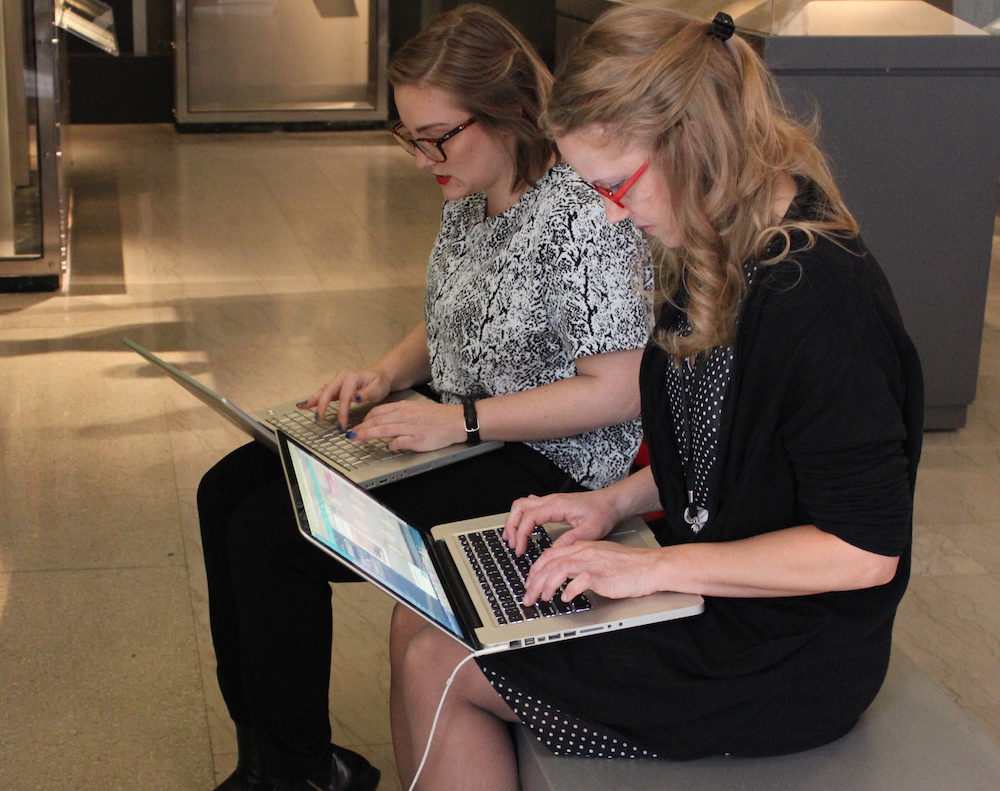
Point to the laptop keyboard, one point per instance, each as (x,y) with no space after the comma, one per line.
(501,575)
(323,437)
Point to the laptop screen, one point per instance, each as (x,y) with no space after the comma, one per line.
(369,537)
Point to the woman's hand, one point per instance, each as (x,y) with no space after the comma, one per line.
(348,387)
(592,515)
(413,425)
(404,365)
(604,567)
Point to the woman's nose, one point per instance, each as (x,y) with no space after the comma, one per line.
(422,161)
(615,212)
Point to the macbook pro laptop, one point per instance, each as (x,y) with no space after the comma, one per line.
(460,576)
(368,463)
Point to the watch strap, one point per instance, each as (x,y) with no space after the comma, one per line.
(471,421)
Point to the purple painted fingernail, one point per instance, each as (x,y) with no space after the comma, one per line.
(302,404)
(357,398)
(350,435)
(340,427)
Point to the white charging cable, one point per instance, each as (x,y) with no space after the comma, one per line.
(437,714)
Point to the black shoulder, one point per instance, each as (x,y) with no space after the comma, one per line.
(829,277)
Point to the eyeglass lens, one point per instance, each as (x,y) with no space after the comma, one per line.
(616,196)
(430,147)
(427,148)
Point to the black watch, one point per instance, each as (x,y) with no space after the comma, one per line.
(471,421)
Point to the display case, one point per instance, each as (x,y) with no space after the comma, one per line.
(908,99)
(281,61)
(33,195)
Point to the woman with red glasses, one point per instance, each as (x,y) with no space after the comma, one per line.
(782,407)
(536,316)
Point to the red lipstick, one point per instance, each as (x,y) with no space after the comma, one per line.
(443,179)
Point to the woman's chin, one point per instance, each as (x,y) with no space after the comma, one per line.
(452,191)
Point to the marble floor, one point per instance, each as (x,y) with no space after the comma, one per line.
(261,264)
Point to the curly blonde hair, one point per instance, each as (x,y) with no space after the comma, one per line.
(493,71)
(710,115)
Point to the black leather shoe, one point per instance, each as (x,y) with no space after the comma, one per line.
(249,774)
(343,770)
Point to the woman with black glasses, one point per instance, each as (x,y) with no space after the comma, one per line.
(536,315)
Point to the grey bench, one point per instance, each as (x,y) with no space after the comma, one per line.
(913,738)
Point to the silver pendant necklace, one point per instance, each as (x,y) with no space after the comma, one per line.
(695,515)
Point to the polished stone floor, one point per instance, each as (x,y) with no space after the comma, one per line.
(260,264)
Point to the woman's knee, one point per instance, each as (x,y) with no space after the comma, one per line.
(263,525)
(224,487)
(423,656)
(404,627)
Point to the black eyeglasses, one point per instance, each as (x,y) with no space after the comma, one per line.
(430,147)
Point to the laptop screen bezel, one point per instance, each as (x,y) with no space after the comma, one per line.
(466,636)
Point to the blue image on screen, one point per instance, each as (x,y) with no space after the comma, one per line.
(370,537)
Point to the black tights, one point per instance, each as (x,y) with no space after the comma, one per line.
(268,588)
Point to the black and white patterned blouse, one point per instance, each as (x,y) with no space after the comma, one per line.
(513,300)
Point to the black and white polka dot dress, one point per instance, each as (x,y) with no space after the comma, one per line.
(562,733)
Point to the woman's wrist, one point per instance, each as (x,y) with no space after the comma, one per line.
(636,494)
(456,422)
(471,419)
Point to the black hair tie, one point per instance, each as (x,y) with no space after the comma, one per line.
(723,26)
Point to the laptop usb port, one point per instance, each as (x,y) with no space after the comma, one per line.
(529,640)
(569,634)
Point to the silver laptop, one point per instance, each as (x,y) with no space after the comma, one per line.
(367,463)
(460,576)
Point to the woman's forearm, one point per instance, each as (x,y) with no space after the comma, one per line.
(792,562)
(605,392)
(408,362)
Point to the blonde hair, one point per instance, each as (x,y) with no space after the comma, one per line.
(710,115)
(495,74)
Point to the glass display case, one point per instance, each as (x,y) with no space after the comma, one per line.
(908,100)
(281,61)
(33,193)
(820,17)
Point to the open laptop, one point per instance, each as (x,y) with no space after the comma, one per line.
(441,576)
(368,463)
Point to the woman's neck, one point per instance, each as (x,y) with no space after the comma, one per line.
(499,200)
(785,190)
(502,197)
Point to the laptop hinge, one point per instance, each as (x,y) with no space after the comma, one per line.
(465,610)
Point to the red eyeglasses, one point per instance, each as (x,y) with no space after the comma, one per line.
(615,196)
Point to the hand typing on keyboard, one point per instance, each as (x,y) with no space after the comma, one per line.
(346,388)
(414,425)
(579,560)
(607,568)
(502,574)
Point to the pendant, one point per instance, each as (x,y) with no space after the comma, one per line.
(696,516)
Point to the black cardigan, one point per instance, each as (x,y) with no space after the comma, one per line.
(821,425)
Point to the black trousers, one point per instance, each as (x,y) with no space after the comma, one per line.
(269,597)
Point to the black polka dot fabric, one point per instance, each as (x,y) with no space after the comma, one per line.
(560,732)
(697,388)
(700,391)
